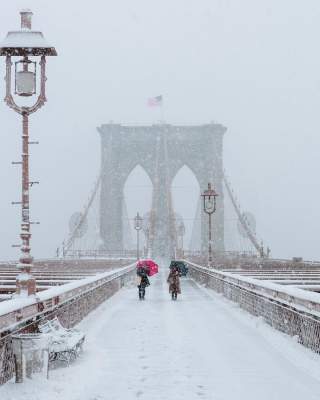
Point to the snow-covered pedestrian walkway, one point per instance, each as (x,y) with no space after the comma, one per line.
(200,347)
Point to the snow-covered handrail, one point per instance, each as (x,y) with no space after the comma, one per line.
(14,312)
(290,310)
(302,300)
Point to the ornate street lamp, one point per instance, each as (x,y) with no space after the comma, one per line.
(26,50)
(138,226)
(209,207)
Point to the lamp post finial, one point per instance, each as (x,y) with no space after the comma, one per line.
(26,19)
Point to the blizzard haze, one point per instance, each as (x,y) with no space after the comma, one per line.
(252,66)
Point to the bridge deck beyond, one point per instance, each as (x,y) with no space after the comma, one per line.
(200,347)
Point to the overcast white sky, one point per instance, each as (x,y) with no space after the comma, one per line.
(253,66)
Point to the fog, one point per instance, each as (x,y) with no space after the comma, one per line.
(252,66)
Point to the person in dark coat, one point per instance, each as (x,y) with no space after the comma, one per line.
(174,283)
(143,282)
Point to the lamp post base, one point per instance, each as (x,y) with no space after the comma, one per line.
(25,284)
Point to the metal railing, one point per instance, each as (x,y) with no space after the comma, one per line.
(70,303)
(297,316)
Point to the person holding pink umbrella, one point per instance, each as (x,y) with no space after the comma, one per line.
(145,268)
(143,282)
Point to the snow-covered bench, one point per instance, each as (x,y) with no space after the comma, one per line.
(65,344)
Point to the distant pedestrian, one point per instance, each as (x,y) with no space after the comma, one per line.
(174,283)
(143,282)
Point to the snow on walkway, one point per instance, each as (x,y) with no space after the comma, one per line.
(200,347)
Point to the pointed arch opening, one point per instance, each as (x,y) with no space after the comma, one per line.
(137,193)
(185,191)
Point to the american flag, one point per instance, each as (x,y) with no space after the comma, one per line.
(155,101)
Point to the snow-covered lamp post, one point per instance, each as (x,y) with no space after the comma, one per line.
(29,49)
(209,207)
(138,226)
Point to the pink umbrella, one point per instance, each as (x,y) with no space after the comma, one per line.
(151,267)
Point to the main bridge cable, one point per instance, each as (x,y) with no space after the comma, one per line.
(251,236)
(84,215)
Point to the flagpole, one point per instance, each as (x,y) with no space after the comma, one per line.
(157,102)
(162,120)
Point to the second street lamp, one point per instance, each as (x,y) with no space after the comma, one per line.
(23,44)
(209,207)
(138,226)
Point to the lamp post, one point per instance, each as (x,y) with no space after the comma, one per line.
(262,254)
(138,226)
(209,207)
(20,45)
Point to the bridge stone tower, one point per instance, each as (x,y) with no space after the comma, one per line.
(161,150)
